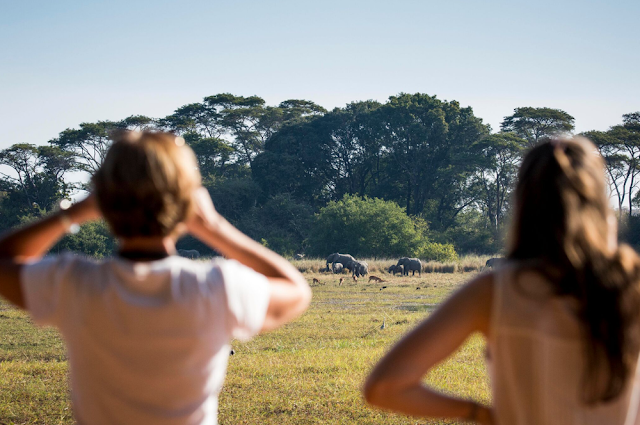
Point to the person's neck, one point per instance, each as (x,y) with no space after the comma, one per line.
(146,248)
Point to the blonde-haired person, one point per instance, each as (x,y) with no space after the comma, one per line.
(560,315)
(148,332)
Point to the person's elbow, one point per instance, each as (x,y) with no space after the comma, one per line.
(301,298)
(288,301)
(376,391)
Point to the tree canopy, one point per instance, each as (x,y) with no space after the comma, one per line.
(415,175)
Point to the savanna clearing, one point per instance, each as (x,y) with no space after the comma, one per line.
(309,372)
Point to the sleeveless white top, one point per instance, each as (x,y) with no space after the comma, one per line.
(536,361)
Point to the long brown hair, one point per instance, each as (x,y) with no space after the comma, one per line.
(562,222)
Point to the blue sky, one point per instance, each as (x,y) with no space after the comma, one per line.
(67,62)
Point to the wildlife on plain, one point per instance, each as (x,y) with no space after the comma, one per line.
(494,262)
(410,265)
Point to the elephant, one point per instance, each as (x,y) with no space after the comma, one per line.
(346,260)
(410,265)
(298,256)
(360,268)
(337,268)
(189,253)
(395,269)
(494,262)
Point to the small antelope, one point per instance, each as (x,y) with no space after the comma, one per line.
(355,278)
(375,279)
(315,280)
(341,280)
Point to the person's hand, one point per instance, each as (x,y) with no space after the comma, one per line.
(85,210)
(204,213)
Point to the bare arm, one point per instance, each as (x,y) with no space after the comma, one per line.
(290,293)
(395,383)
(32,241)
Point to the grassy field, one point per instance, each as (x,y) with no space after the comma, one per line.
(308,372)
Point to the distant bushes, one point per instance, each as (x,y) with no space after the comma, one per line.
(372,227)
(439,252)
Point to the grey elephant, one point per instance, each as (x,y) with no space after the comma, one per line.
(189,253)
(360,268)
(493,262)
(346,260)
(395,269)
(410,265)
(337,268)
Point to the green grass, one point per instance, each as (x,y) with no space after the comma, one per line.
(308,372)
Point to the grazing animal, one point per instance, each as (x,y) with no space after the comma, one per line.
(298,256)
(315,280)
(337,268)
(341,280)
(395,269)
(360,268)
(494,262)
(345,259)
(189,253)
(375,279)
(410,265)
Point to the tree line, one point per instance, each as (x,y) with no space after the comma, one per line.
(431,178)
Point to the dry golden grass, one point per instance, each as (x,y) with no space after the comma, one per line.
(468,263)
(308,372)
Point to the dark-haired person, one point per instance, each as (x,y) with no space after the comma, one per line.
(148,332)
(560,314)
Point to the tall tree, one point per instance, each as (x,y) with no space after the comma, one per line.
(89,144)
(430,143)
(495,178)
(620,148)
(36,180)
(534,124)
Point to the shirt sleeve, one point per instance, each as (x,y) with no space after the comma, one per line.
(248,294)
(47,289)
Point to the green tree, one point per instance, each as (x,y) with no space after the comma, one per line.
(35,182)
(534,124)
(367,227)
(93,239)
(495,178)
(620,148)
(282,222)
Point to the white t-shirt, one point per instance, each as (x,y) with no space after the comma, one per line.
(148,342)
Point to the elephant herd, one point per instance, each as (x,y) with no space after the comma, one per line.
(406,265)
(340,262)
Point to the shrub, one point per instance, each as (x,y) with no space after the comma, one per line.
(370,227)
(439,252)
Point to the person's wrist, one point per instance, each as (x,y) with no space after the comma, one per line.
(69,223)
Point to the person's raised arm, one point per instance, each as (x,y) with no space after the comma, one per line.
(396,381)
(33,240)
(290,293)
